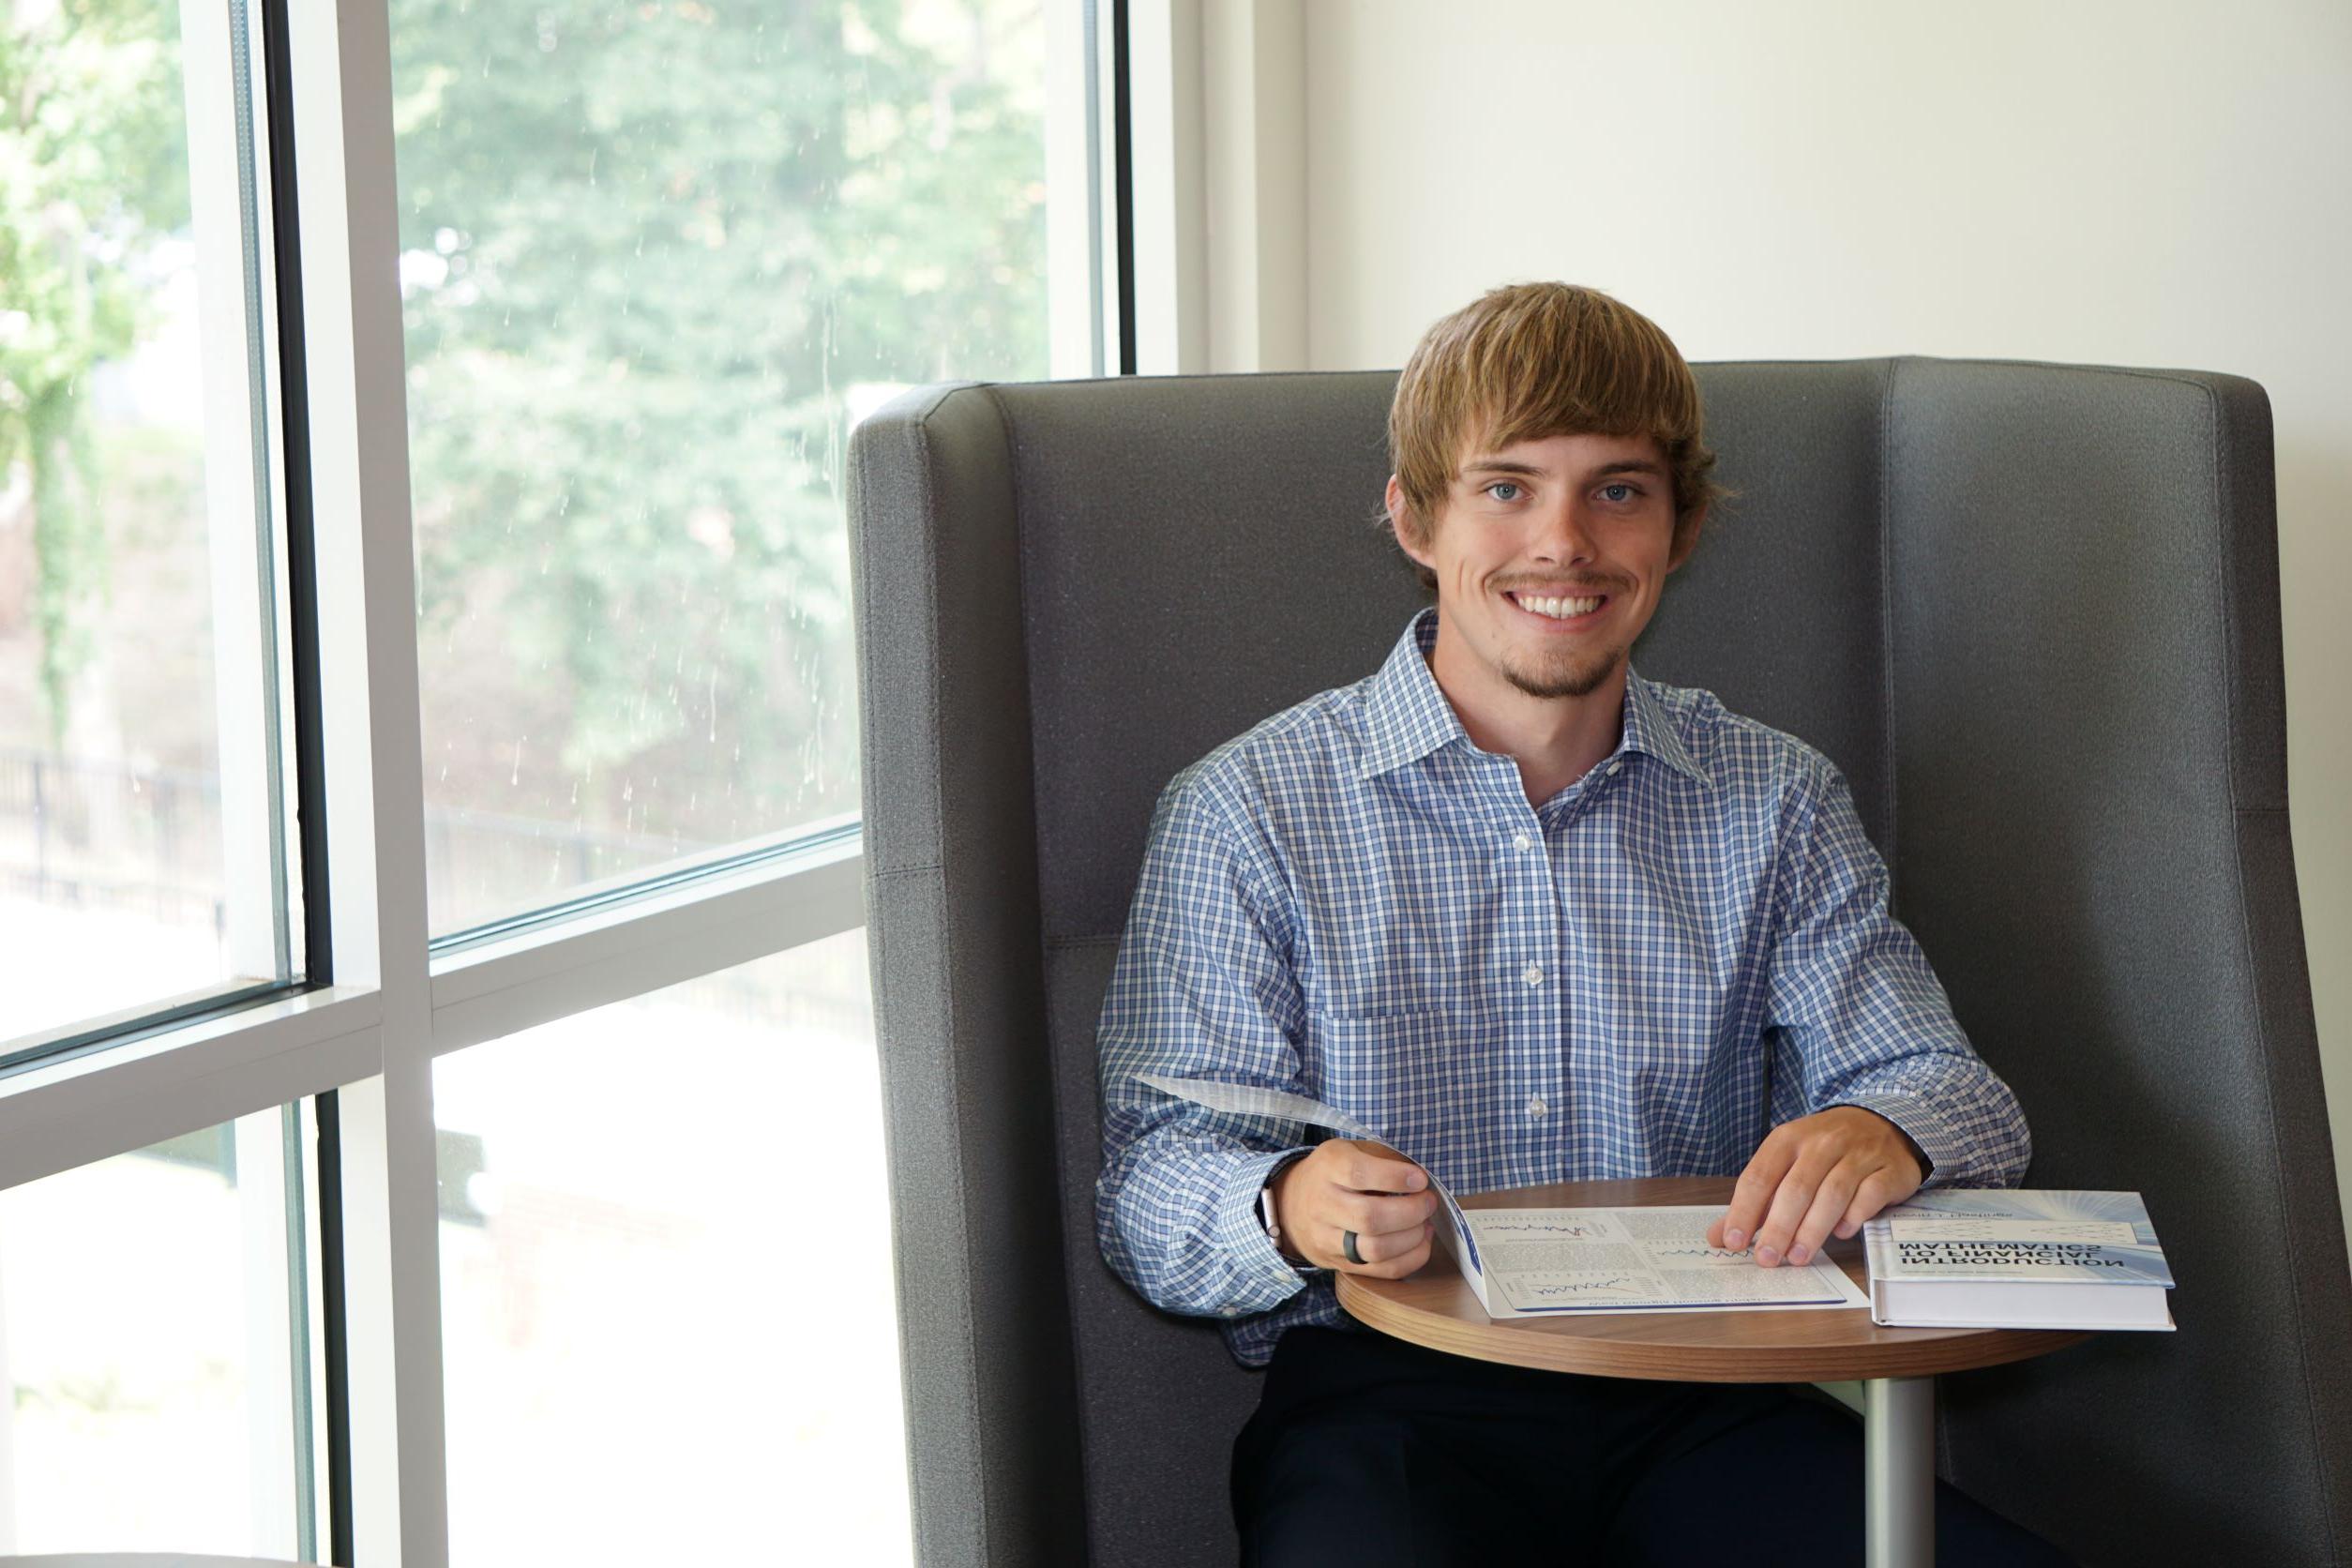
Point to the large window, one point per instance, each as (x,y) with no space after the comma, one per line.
(655,259)
(147,856)
(428,860)
(157,1349)
(627,1252)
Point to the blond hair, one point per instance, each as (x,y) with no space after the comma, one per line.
(1531,360)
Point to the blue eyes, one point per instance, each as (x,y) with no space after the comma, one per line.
(1507,490)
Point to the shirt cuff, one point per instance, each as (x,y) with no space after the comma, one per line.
(1259,1266)
(1935,1136)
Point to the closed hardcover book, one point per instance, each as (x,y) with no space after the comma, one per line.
(2017,1258)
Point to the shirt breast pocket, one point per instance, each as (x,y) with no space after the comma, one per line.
(1423,1079)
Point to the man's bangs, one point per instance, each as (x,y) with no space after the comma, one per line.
(1529,361)
(1621,407)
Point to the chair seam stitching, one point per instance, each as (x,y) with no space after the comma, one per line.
(976,1466)
(1886,631)
(1053,1078)
(2217,454)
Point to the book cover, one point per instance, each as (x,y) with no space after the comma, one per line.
(2029,1258)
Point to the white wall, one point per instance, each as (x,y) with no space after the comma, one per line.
(2124,182)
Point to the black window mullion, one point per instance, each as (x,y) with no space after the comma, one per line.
(1123,181)
(302,593)
(302,605)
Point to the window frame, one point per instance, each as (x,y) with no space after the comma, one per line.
(383,1000)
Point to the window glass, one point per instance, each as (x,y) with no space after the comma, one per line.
(657,258)
(143,856)
(157,1379)
(666,1280)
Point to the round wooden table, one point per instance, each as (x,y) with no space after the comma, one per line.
(1896,1367)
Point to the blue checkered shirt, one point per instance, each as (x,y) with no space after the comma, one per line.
(1639,977)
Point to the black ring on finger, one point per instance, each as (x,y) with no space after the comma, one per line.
(1348,1248)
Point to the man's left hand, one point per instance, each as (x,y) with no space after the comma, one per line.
(1828,1171)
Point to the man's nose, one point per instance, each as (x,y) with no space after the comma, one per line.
(1564,534)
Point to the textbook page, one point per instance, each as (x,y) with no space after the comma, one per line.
(1542,1263)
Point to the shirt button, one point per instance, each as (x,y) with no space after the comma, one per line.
(1536,1108)
(1231,1311)
(1532,974)
(1522,843)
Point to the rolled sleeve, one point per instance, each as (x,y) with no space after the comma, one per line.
(1201,988)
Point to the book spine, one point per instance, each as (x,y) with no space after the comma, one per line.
(1878,1250)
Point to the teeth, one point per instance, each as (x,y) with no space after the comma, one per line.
(1560,609)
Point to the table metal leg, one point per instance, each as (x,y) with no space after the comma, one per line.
(1899,1472)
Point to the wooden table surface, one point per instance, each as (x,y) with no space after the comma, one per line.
(1435,1308)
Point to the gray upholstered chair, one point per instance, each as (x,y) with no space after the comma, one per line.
(2030,609)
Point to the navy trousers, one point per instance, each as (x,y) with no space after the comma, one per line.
(1370,1451)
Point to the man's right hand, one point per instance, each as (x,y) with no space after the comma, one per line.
(1364,1187)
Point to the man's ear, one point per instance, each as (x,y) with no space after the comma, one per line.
(1689,540)
(1400,523)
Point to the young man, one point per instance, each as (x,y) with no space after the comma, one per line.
(1539,920)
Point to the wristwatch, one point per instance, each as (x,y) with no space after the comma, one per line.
(1266,1212)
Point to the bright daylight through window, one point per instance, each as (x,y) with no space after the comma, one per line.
(637,269)
(146,852)
(656,260)
(675,1301)
(159,1381)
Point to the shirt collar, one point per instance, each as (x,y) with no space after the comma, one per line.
(1650,728)
(1406,716)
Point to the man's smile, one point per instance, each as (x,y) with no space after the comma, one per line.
(1567,609)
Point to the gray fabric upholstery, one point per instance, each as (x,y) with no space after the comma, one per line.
(952,922)
(2031,610)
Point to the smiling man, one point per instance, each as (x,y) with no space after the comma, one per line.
(1538,919)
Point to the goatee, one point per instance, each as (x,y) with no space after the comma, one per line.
(1572,681)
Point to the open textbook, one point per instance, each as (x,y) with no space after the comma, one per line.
(1540,1262)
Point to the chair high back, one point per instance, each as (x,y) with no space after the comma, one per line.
(2030,609)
